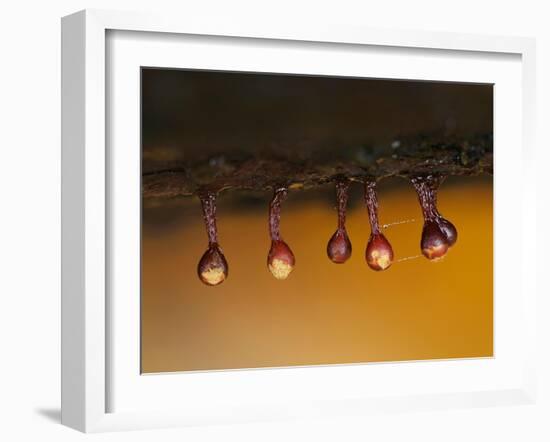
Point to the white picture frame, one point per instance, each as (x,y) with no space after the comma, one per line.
(90,172)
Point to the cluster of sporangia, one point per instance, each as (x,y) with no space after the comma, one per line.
(438,234)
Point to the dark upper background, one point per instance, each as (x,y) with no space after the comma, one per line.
(190,114)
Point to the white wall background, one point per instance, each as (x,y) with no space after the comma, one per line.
(30,215)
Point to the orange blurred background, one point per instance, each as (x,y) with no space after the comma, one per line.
(324,313)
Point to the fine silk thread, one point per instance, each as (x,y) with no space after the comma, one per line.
(396,223)
(408,258)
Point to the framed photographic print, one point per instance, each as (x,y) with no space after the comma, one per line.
(262,223)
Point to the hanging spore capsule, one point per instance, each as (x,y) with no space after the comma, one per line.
(433,243)
(280,259)
(379,252)
(445,225)
(448,229)
(438,234)
(339,245)
(212,268)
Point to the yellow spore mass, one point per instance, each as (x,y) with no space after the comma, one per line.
(213,276)
(280,269)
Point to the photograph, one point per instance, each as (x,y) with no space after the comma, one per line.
(287,221)
(299,220)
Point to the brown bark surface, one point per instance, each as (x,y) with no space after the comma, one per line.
(308,167)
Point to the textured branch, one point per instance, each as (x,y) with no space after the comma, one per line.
(309,168)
